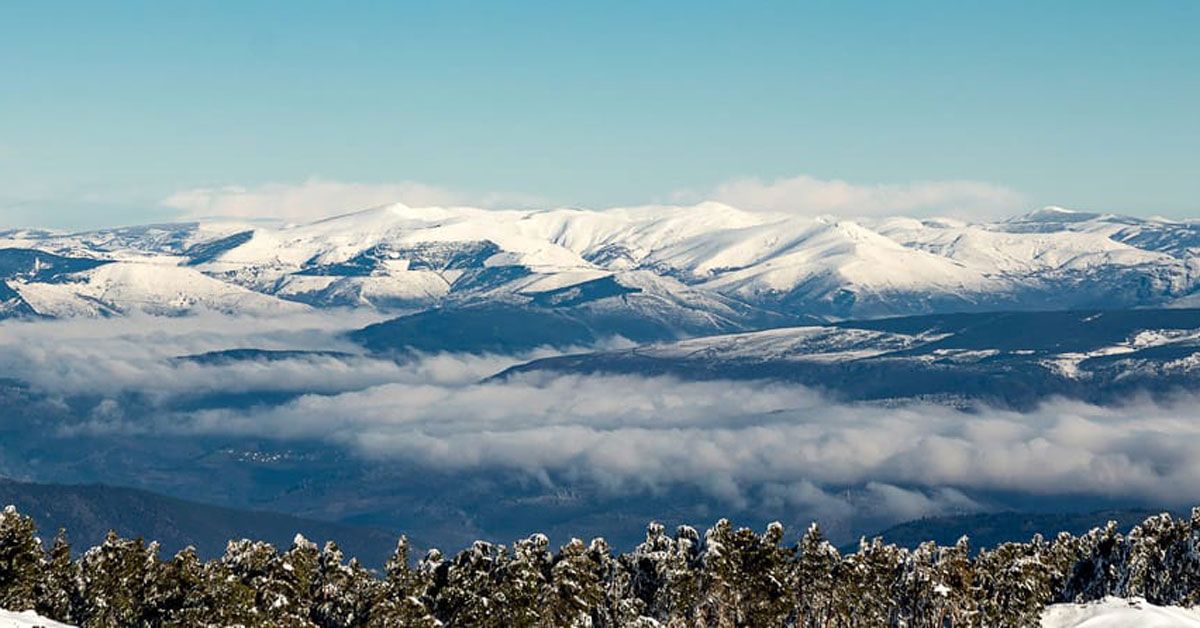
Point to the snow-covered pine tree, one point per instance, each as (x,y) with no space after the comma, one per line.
(56,588)
(1186,565)
(749,577)
(1153,546)
(683,580)
(227,600)
(647,566)
(20,560)
(1015,583)
(523,579)
(341,592)
(287,598)
(921,596)
(251,562)
(868,584)
(621,606)
(181,598)
(575,590)
(816,560)
(1102,553)
(115,579)
(954,574)
(401,600)
(470,589)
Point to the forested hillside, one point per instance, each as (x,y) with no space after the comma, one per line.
(726,577)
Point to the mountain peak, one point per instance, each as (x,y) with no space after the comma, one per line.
(1054,213)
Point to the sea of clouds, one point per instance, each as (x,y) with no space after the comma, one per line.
(756,445)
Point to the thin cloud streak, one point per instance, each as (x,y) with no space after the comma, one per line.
(804,194)
(318,198)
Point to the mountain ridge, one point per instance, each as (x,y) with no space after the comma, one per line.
(708,261)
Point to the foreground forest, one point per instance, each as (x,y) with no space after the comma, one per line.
(724,578)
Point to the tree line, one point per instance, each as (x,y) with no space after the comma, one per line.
(727,577)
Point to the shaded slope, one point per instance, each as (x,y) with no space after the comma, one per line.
(89,511)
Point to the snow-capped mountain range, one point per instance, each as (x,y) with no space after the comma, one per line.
(708,268)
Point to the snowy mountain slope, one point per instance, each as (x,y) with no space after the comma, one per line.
(121,287)
(1009,359)
(705,268)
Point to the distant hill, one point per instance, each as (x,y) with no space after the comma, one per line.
(1010,359)
(991,529)
(87,512)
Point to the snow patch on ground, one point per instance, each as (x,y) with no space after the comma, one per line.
(26,619)
(1115,612)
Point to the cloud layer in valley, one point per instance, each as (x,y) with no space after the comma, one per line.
(726,437)
(745,444)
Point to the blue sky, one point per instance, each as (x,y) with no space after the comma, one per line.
(109,111)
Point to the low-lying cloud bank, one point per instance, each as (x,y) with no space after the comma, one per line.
(749,444)
(726,437)
(140,354)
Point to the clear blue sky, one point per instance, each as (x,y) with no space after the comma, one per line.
(107,108)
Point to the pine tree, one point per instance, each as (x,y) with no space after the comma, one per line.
(750,581)
(341,593)
(56,593)
(955,576)
(647,566)
(921,597)
(20,560)
(682,579)
(1015,583)
(523,579)
(815,564)
(402,598)
(180,598)
(1186,563)
(227,600)
(470,590)
(1161,561)
(1098,572)
(251,564)
(734,578)
(622,607)
(869,580)
(286,596)
(115,578)
(575,590)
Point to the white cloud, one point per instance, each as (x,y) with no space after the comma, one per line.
(810,195)
(745,444)
(136,354)
(730,439)
(320,198)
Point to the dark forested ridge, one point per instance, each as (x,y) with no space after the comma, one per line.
(726,577)
(90,511)
(993,528)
